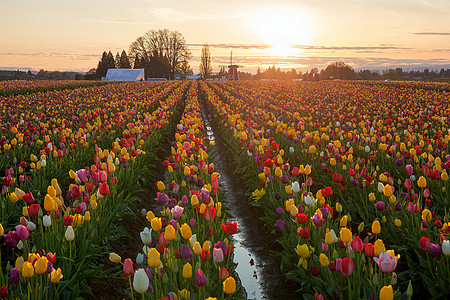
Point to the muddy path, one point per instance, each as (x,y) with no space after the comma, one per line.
(258,271)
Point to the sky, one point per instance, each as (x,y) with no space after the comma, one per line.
(300,34)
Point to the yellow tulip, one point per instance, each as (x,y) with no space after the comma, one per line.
(156,224)
(56,275)
(422,182)
(19,193)
(376,227)
(186,231)
(378,247)
(194,200)
(41,265)
(72,174)
(114,257)
(206,246)
(13,197)
(27,270)
(169,233)
(153,258)
(51,191)
(150,215)
(1,230)
(386,293)
(398,223)
(197,248)
(343,221)
(187,271)
(49,203)
(161,186)
(426,215)
(346,235)
(19,263)
(387,190)
(323,259)
(229,285)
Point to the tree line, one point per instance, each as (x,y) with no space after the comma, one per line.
(342,71)
(161,53)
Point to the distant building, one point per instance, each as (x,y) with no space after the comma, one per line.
(124,75)
(233,72)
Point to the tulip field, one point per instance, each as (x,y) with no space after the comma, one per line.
(350,179)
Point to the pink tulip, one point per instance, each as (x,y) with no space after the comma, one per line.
(386,262)
(128,266)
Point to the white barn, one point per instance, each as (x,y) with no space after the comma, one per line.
(124,75)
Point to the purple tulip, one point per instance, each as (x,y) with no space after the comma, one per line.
(200,182)
(14,276)
(221,245)
(200,278)
(398,207)
(435,250)
(49,268)
(162,198)
(11,239)
(409,170)
(185,252)
(184,200)
(380,205)
(284,179)
(205,196)
(149,273)
(280,224)
(22,232)
(171,203)
(280,211)
(317,220)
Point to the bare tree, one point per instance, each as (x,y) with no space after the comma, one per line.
(164,43)
(205,62)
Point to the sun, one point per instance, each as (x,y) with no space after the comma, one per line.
(282,28)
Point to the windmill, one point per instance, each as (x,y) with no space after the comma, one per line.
(232,69)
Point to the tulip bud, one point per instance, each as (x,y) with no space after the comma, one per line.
(70,235)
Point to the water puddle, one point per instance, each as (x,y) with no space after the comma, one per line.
(258,271)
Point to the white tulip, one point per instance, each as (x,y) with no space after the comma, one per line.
(47,221)
(141,281)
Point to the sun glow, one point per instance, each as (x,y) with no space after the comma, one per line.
(282,28)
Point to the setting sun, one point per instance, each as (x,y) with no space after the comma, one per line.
(282,28)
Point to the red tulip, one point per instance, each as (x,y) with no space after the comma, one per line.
(357,244)
(230,228)
(347,266)
(33,210)
(425,243)
(104,189)
(128,266)
(210,213)
(223,273)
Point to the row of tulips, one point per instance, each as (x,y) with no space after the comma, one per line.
(275,176)
(62,236)
(70,131)
(14,87)
(404,150)
(187,253)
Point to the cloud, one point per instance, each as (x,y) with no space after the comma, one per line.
(234,46)
(118,21)
(53,54)
(431,33)
(351,48)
